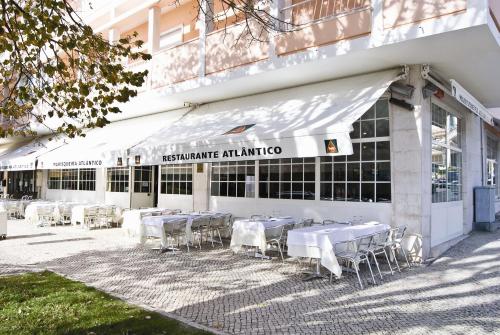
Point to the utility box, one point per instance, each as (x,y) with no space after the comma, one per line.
(484,208)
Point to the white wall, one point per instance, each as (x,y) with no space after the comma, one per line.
(410,163)
(446,222)
(176,201)
(315,209)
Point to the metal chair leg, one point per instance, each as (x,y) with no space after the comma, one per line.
(388,262)
(378,267)
(395,259)
(371,272)
(404,254)
(281,252)
(356,268)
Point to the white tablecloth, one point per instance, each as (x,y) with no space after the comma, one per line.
(131,219)
(78,213)
(31,212)
(318,241)
(252,233)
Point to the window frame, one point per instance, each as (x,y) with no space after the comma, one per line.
(181,187)
(345,161)
(449,149)
(246,184)
(120,185)
(138,183)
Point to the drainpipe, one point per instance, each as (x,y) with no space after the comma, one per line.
(482,150)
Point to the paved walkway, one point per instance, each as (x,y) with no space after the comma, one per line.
(458,294)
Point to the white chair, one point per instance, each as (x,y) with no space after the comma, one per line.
(90,217)
(175,230)
(355,252)
(13,211)
(274,237)
(46,216)
(65,212)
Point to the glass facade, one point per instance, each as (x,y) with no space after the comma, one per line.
(366,174)
(233,179)
(117,179)
(176,179)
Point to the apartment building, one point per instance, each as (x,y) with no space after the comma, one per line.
(381,109)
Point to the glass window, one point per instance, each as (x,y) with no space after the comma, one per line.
(492,163)
(288,178)
(69,179)
(446,156)
(143,179)
(54,180)
(118,179)
(366,174)
(234,179)
(177,179)
(86,179)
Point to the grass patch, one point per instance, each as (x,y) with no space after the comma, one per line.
(45,303)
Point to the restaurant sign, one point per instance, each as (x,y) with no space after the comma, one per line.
(221,151)
(468,100)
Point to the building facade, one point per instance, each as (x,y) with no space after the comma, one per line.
(400,143)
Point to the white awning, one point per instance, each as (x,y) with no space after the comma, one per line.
(307,121)
(24,156)
(107,146)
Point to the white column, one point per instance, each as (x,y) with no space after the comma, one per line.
(153,29)
(377,33)
(205,25)
(113,35)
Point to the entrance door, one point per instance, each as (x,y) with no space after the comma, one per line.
(143,191)
(21,183)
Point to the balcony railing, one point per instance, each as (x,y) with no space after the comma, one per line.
(303,12)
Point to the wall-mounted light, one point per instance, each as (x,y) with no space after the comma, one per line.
(137,160)
(119,161)
(403,90)
(402,104)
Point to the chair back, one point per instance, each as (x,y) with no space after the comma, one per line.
(274,233)
(364,243)
(91,211)
(200,222)
(383,237)
(286,228)
(330,221)
(110,210)
(45,210)
(400,234)
(176,227)
(307,222)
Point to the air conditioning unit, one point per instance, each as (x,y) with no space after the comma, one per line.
(484,208)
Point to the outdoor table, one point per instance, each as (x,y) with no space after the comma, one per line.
(78,212)
(318,241)
(131,219)
(154,226)
(31,212)
(250,232)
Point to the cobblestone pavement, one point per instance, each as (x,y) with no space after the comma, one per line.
(457,294)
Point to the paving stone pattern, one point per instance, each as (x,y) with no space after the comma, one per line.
(457,294)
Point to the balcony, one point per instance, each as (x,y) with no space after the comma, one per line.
(318,30)
(321,22)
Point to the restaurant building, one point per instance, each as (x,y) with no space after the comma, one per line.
(375,110)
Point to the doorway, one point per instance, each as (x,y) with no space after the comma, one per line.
(143,190)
